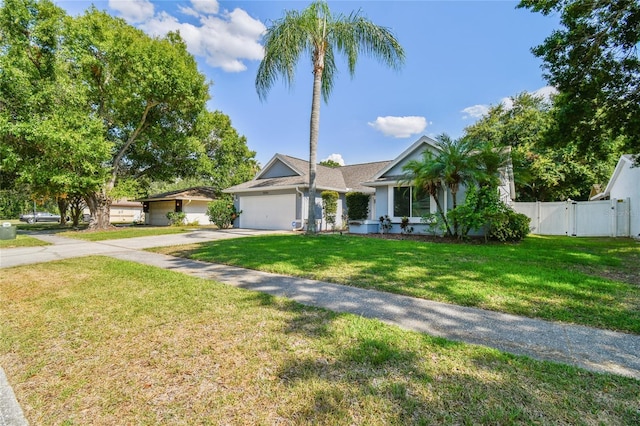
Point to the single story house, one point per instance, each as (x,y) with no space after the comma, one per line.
(122,211)
(193,202)
(625,184)
(277,198)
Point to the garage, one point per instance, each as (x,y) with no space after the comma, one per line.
(158,212)
(267,211)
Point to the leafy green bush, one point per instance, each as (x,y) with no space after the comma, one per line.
(405,226)
(357,205)
(176,218)
(509,225)
(330,206)
(222,212)
(482,210)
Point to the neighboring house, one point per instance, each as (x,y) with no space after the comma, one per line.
(625,184)
(122,211)
(277,197)
(192,201)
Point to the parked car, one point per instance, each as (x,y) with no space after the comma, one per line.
(39,217)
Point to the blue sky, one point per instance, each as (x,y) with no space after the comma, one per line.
(461,57)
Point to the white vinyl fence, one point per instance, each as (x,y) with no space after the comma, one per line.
(607,218)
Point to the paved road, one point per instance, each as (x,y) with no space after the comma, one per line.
(589,348)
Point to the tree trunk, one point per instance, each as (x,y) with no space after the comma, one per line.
(442,213)
(100,207)
(313,140)
(63,205)
(76,205)
(454,197)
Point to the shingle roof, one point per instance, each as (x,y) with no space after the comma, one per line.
(341,179)
(354,175)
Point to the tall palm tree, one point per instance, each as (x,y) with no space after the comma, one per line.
(318,33)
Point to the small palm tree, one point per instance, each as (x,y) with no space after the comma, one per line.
(457,161)
(490,160)
(426,176)
(320,34)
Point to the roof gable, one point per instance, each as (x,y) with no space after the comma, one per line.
(394,168)
(280,166)
(625,161)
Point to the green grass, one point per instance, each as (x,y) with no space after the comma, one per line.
(22,241)
(98,340)
(128,232)
(593,281)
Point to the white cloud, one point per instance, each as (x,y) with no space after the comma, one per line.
(335,157)
(507,103)
(546,92)
(225,39)
(399,127)
(479,111)
(133,11)
(206,6)
(475,111)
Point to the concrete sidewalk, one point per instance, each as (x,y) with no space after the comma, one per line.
(586,347)
(589,348)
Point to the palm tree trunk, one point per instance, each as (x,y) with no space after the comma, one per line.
(313,140)
(442,213)
(454,197)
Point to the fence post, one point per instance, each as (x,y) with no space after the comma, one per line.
(571,217)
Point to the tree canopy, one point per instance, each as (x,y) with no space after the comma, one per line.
(330,163)
(88,103)
(320,34)
(48,140)
(593,61)
(544,170)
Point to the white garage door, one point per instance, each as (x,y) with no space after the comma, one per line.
(158,212)
(267,211)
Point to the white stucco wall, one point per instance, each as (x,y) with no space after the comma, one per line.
(627,185)
(196,211)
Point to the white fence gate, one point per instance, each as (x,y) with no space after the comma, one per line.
(607,218)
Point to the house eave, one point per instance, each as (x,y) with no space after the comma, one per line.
(282,188)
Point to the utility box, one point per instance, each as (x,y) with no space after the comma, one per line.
(7,231)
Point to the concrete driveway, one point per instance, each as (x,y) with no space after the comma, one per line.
(64,248)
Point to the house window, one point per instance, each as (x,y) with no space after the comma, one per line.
(408,202)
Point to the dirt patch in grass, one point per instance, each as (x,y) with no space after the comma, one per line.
(430,238)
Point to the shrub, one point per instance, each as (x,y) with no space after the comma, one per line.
(330,206)
(385,224)
(176,218)
(476,211)
(482,208)
(357,205)
(222,212)
(405,227)
(509,225)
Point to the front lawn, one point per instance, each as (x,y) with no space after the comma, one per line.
(22,241)
(128,232)
(103,341)
(590,281)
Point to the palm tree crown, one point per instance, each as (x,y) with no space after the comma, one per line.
(318,33)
